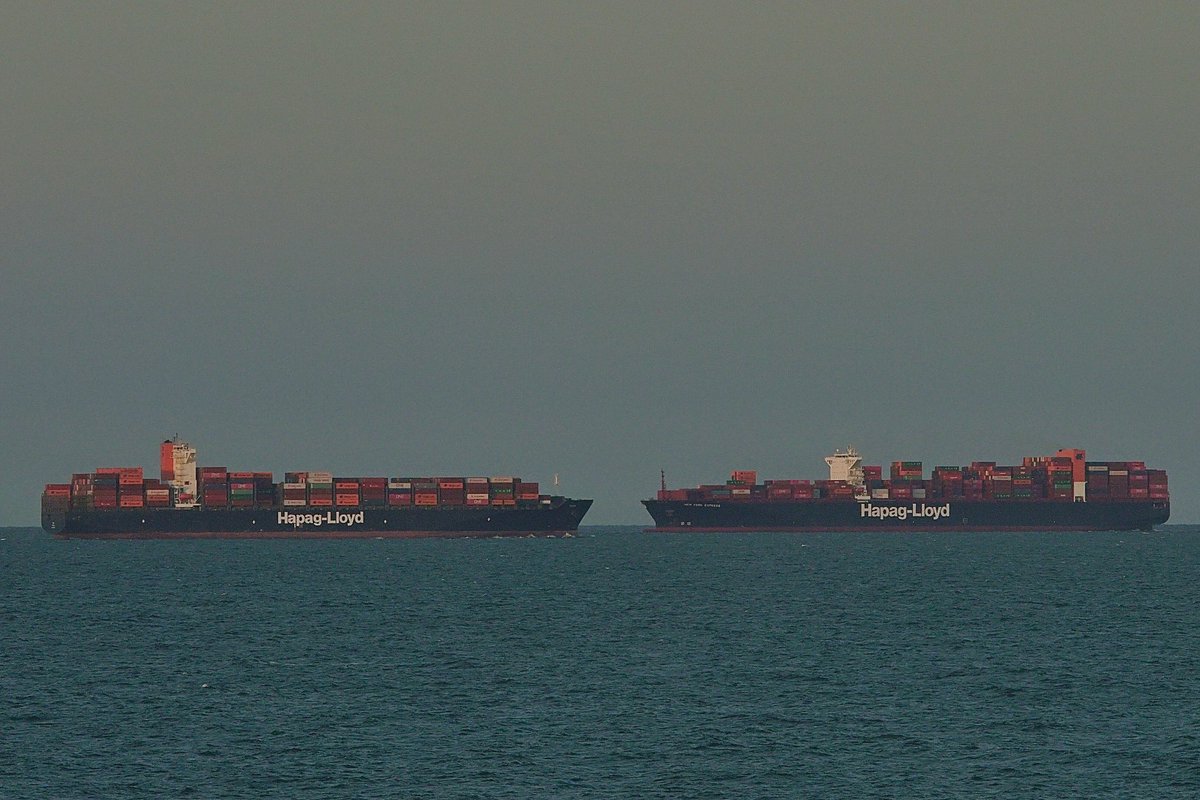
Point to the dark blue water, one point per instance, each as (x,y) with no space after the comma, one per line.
(615,664)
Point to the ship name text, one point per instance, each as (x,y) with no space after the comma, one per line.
(914,511)
(317,520)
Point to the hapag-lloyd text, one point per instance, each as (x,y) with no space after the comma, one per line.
(317,520)
(914,511)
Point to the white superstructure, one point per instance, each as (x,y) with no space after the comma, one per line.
(846,465)
(182,474)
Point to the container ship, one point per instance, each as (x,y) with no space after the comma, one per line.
(1063,492)
(188,501)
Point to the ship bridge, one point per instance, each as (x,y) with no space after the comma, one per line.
(846,465)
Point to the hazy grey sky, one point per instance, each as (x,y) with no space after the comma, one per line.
(597,239)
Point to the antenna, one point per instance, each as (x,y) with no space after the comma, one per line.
(662,476)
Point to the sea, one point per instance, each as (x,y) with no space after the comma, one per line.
(615,664)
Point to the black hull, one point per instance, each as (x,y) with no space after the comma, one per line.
(560,518)
(905,515)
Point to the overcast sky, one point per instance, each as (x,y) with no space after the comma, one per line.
(597,239)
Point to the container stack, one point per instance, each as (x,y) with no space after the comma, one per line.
(1059,478)
(1000,483)
(907,470)
(158,493)
(345,492)
(504,491)
(1157,481)
(82,487)
(833,490)
(241,489)
(295,489)
(425,492)
(878,489)
(1097,481)
(105,487)
(1139,484)
(400,492)
(374,491)
(780,491)
(452,491)
(1022,483)
(1118,481)
(264,490)
(56,498)
(129,482)
(214,487)
(947,482)
(478,492)
(320,489)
